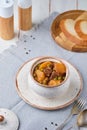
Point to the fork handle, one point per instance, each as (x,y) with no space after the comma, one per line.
(65,122)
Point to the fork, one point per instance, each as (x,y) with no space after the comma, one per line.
(77,107)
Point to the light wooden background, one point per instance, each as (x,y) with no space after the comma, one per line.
(41,7)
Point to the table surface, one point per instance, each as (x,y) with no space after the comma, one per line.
(19,51)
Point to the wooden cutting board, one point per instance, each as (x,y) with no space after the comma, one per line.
(59,37)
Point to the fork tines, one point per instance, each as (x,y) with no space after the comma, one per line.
(81,103)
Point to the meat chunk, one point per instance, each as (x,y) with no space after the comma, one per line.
(54,75)
(47,71)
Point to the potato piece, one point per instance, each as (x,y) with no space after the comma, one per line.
(40,75)
(54,82)
(59,68)
(44,65)
(45,81)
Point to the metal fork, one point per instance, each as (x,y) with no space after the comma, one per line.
(77,107)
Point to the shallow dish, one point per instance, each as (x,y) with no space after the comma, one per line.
(35,100)
(47,90)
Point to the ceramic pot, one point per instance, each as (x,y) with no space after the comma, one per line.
(44,90)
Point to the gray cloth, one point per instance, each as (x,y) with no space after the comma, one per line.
(37,42)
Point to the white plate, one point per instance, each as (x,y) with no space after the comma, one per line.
(40,102)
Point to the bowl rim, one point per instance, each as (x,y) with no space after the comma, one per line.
(47,58)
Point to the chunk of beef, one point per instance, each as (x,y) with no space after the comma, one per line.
(54,75)
(47,71)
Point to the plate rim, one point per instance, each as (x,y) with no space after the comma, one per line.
(48,108)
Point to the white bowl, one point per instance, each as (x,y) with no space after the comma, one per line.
(44,90)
